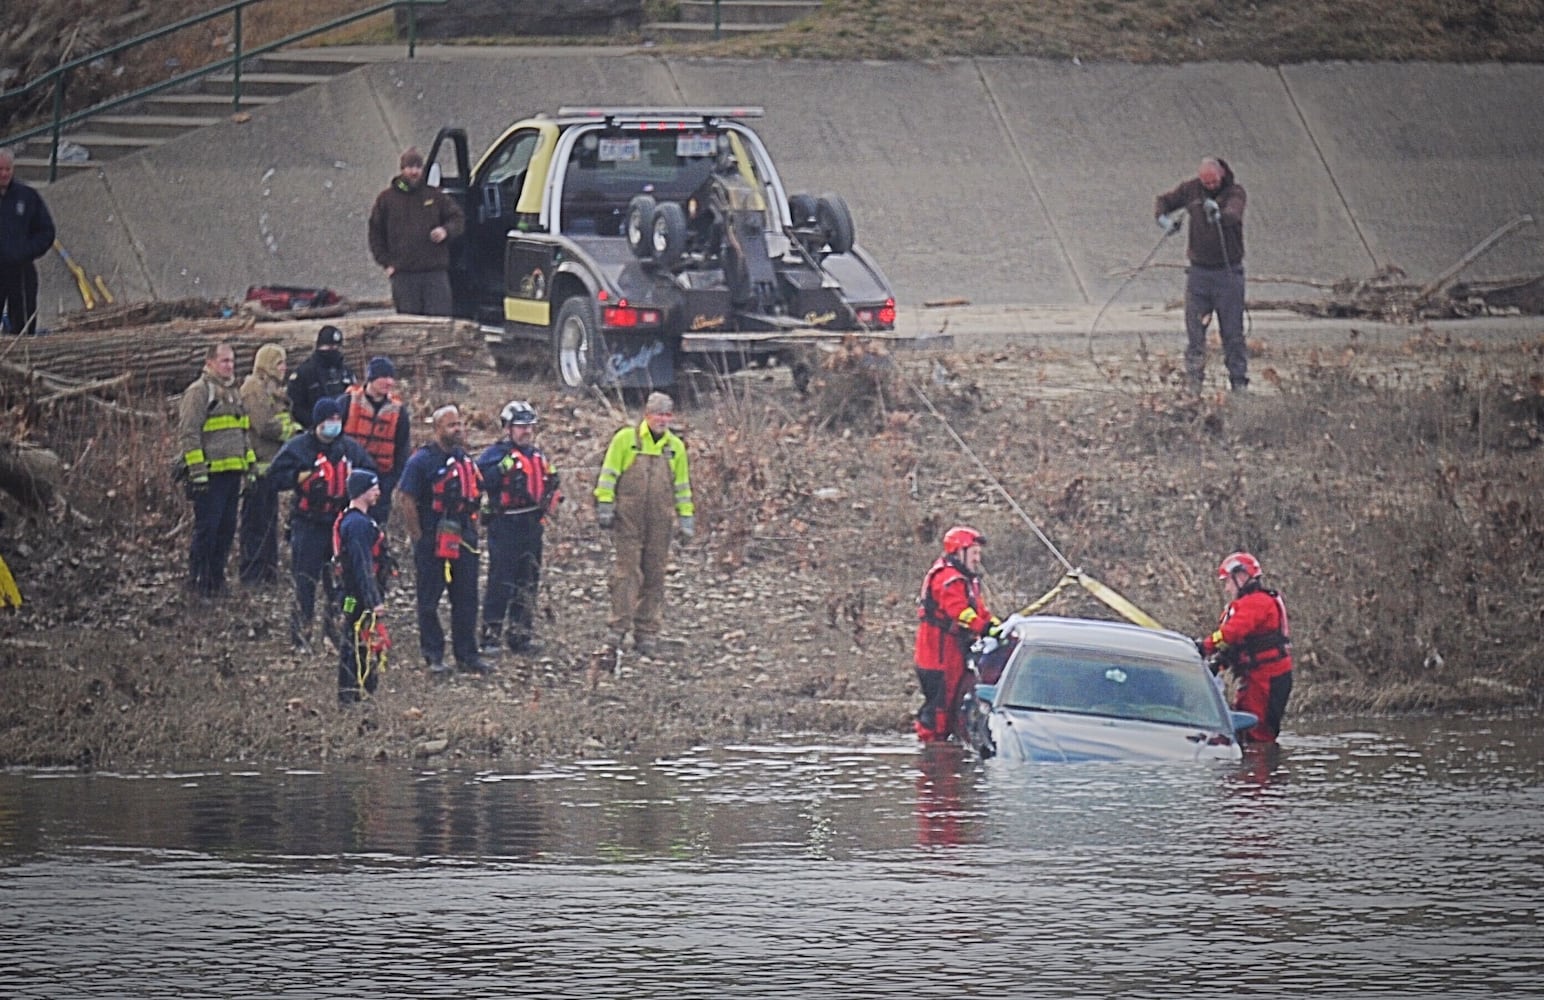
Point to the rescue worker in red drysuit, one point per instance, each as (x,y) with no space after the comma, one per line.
(951,615)
(1253,640)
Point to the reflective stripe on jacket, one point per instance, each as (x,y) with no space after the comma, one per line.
(630,442)
(951,613)
(1253,633)
(213,429)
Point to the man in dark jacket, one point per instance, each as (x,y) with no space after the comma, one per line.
(26,233)
(522,491)
(357,545)
(316,465)
(1214,281)
(324,375)
(411,226)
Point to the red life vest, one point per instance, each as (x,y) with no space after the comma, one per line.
(523,484)
(1270,647)
(456,491)
(325,493)
(942,641)
(376,431)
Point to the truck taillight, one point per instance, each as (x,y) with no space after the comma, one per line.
(883,316)
(624,315)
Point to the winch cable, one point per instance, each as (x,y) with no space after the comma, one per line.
(1141,339)
(1073,574)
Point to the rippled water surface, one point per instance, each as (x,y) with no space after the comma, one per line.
(1378,858)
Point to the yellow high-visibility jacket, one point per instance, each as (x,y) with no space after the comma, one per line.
(630,442)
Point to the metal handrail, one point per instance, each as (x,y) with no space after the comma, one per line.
(59,75)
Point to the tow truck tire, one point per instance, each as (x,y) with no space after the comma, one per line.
(835,221)
(668,233)
(640,219)
(801,209)
(576,345)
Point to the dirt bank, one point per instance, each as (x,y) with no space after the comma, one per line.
(1394,495)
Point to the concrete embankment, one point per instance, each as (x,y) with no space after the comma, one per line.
(1000,181)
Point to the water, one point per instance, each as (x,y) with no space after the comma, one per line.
(1380,858)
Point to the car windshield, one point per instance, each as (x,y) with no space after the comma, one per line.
(1095,682)
(607,168)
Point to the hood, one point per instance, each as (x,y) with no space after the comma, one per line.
(267,361)
(1227,173)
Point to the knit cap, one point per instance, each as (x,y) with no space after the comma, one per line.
(329,336)
(360,481)
(380,368)
(324,408)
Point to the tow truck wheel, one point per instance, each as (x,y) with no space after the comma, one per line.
(640,219)
(575,344)
(836,222)
(668,233)
(801,209)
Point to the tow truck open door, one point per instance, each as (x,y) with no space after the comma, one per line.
(449,168)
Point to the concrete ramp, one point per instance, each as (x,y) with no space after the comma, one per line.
(1003,181)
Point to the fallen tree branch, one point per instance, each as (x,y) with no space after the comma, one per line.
(1436,284)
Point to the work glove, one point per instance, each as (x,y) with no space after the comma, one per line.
(197,485)
(605,515)
(1169,224)
(688,526)
(1213,213)
(995,630)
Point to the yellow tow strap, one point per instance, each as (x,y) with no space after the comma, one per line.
(1104,594)
(9,593)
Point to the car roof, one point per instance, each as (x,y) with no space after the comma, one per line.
(1118,637)
(624,114)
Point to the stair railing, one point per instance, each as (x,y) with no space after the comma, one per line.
(59,75)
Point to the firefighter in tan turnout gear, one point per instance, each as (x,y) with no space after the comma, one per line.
(644,487)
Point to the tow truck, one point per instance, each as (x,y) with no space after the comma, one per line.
(636,243)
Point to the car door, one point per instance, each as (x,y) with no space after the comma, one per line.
(448,168)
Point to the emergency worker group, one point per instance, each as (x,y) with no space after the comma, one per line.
(342,448)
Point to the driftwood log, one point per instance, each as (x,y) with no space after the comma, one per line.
(163,358)
(29,473)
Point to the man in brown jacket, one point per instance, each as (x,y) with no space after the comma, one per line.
(267,407)
(411,226)
(1214,281)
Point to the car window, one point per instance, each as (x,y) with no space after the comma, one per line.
(511,159)
(1093,682)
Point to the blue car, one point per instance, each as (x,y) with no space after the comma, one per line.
(1077,689)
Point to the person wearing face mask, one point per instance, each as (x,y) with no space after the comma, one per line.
(325,374)
(316,465)
(213,433)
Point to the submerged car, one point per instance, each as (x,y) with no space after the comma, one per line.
(1077,689)
(631,242)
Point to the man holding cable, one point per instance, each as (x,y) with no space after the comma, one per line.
(1214,281)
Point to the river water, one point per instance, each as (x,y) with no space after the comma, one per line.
(1371,857)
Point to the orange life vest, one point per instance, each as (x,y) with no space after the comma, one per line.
(376,431)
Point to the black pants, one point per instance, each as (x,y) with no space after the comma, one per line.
(429,579)
(357,675)
(310,553)
(214,531)
(1219,291)
(260,533)
(514,576)
(19,295)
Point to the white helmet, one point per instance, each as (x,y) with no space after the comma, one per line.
(518,412)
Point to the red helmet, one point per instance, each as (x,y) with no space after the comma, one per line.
(1239,561)
(960,538)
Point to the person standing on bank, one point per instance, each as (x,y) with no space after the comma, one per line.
(316,465)
(443,492)
(522,491)
(1214,281)
(26,233)
(376,417)
(411,227)
(267,409)
(357,544)
(324,375)
(214,434)
(1254,640)
(644,487)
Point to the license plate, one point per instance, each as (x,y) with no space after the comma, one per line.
(618,150)
(696,145)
